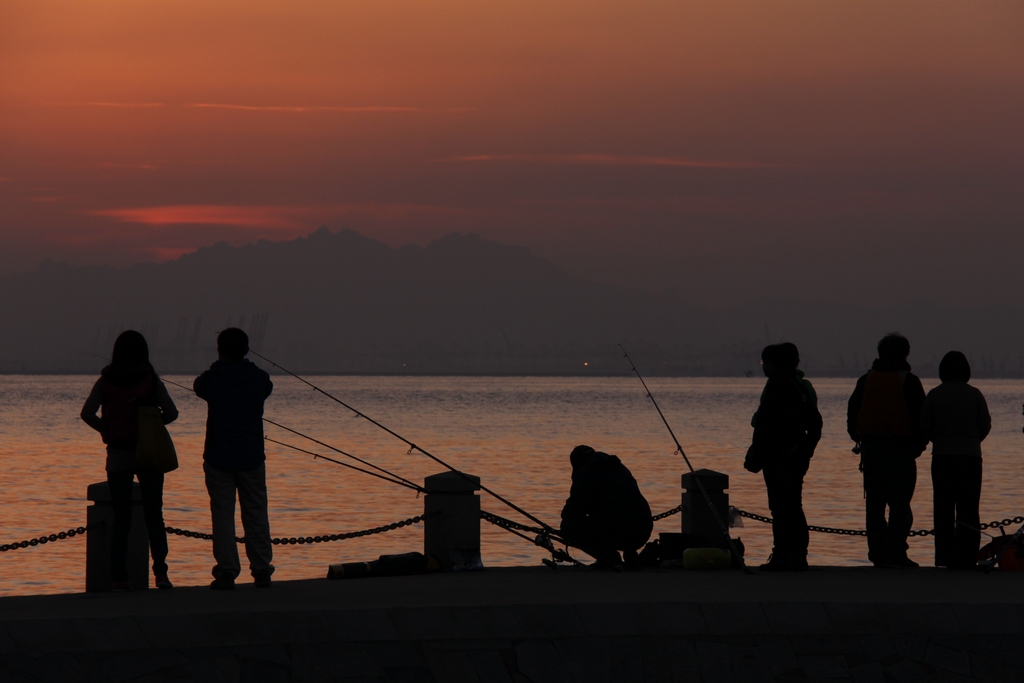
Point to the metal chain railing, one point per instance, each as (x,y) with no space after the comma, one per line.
(668,513)
(505,523)
(32,542)
(303,540)
(997,524)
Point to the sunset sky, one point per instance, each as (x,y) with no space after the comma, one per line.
(827,149)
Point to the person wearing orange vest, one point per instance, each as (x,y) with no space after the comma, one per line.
(884,418)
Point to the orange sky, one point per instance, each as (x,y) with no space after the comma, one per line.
(635,141)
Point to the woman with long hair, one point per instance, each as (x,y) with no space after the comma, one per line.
(126,384)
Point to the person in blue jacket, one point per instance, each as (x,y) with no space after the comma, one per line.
(235,389)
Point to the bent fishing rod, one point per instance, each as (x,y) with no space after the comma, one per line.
(391,476)
(410,444)
(679,449)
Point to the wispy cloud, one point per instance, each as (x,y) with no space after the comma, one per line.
(301,109)
(613,160)
(123,105)
(285,218)
(274,217)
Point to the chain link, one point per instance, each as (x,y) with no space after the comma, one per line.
(32,542)
(998,524)
(668,513)
(304,540)
(505,523)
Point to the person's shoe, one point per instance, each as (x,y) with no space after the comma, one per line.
(777,564)
(122,587)
(262,580)
(162,582)
(904,563)
(223,583)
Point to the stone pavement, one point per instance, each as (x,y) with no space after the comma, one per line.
(534,625)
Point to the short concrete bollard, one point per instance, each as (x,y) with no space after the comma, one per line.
(696,516)
(100,518)
(451,529)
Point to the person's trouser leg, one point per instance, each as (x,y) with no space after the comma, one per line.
(968,520)
(152,485)
(120,485)
(784,480)
(874,505)
(252,498)
(221,486)
(943,509)
(902,481)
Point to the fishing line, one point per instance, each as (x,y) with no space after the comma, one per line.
(410,444)
(394,477)
(418,489)
(679,449)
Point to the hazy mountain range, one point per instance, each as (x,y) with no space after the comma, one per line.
(343,303)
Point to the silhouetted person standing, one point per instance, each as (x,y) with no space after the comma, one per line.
(235,462)
(605,512)
(787,428)
(126,384)
(956,420)
(884,417)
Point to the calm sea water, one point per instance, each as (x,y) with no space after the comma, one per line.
(515,433)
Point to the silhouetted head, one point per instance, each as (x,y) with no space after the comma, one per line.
(893,347)
(580,455)
(954,368)
(770,359)
(787,356)
(130,349)
(232,344)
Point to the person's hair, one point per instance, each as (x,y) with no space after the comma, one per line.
(770,354)
(578,453)
(130,349)
(894,346)
(787,356)
(233,343)
(954,368)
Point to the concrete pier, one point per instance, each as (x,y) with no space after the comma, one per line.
(534,625)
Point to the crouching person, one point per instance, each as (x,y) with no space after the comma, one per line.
(234,460)
(605,512)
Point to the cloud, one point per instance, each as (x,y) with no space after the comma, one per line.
(613,160)
(285,218)
(302,109)
(274,217)
(125,105)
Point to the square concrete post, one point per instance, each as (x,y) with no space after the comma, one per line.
(696,516)
(451,530)
(100,519)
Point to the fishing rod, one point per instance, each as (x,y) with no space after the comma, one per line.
(393,477)
(410,444)
(679,449)
(418,489)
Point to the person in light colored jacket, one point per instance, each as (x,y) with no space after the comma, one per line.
(956,420)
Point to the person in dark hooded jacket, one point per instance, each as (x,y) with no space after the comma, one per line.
(884,417)
(234,459)
(787,428)
(605,512)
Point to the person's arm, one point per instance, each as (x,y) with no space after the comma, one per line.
(984,417)
(853,409)
(92,406)
(913,396)
(168,410)
(200,385)
(927,420)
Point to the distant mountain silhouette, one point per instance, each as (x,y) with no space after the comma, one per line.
(344,303)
